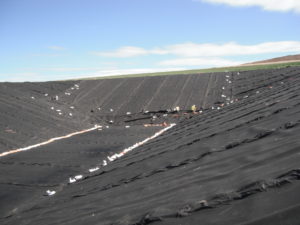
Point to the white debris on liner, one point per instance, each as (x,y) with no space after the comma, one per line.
(72,88)
(52,108)
(67,93)
(128,113)
(107,127)
(58,110)
(146,111)
(71,107)
(111,110)
(111,121)
(165,115)
(223,88)
(127,126)
(46,94)
(93,169)
(49,192)
(78,177)
(257,92)
(32,97)
(60,113)
(104,163)
(70,114)
(56,98)
(229,82)
(212,107)
(99,108)
(72,180)
(223,96)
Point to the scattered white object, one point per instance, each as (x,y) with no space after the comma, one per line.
(93,169)
(70,114)
(71,107)
(128,113)
(146,111)
(223,96)
(257,92)
(227,76)
(52,108)
(200,111)
(56,98)
(218,108)
(111,110)
(60,113)
(246,96)
(238,73)
(223,88)
(72,180)
(104,163)
(49,192)
(32,97)
(78,177)
(127,126)
(99,108)
(165,115)
(107,127)
(231,101)
(46,94)
(111,121)
(58,110)
(67,93)
(212,107)
(229,82)
(72,88)
(76,85)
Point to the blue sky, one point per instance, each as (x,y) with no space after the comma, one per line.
(61,39)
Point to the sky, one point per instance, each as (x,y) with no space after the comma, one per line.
(43,40)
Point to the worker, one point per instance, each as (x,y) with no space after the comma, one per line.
(193,108)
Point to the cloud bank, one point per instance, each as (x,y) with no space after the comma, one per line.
(205,50)
(270,5)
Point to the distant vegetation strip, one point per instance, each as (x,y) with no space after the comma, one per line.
(209,70)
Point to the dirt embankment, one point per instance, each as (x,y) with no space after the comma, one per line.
(284,59)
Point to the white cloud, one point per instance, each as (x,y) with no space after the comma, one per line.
(270,5)
(127,51)
(232,49)
(56,48)
(20,77)
(207,49)
(200,62)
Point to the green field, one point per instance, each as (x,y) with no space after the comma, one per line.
(210,70)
